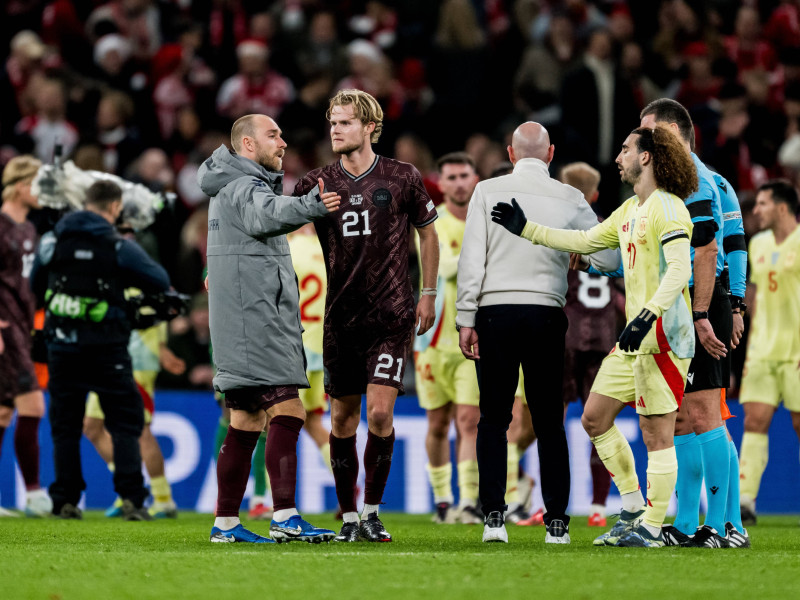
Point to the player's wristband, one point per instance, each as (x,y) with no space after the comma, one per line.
(428,292)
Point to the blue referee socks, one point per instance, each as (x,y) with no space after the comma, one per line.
(690,479)
(716,454)
(734,514)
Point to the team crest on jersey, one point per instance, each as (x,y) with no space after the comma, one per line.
(382,198)
(356,199)
(641,230)
(788,261)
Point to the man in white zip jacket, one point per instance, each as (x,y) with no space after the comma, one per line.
(511,295)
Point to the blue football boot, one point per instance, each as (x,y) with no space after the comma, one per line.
(296,529)
(237,534)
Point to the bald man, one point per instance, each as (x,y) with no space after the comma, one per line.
(511,297)
(254,306)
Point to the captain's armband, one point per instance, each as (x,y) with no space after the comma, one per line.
(671,236)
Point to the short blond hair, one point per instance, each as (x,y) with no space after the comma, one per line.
(581,176)
(365,108)
(19,168)
(243,127)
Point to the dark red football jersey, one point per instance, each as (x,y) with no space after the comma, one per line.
(17,251)
(591,309)
(366,242)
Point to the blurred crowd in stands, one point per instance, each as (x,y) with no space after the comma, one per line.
(147,89)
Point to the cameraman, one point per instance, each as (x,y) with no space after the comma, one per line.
(80,273)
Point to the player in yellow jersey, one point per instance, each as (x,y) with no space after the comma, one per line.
(309,265)
(773,353)
(447,384)
(648,366)
(149,354)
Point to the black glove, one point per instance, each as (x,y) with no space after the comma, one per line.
(511,216)
(632,336)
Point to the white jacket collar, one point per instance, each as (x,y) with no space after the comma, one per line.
(531,165)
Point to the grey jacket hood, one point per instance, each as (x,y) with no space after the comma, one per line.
(224,166)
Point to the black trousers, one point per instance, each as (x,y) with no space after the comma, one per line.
(511,335)
(105,370)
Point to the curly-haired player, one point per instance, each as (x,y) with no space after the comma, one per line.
(649,364)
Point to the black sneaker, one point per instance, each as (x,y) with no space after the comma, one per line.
(348,533)
(748,515)
(372,530)
(674,536)
(557,532)
(131,513)
(736,538)
(707,537)
(70,511)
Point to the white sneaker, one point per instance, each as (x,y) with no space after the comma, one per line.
(7,513)
(494,528)
(557,532)
(38,504)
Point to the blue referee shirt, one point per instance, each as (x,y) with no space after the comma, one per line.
(706,205)
(732,236)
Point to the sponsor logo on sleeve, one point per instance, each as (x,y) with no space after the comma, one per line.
(730,216)
(429,206)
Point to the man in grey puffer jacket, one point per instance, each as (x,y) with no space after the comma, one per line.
(255,321)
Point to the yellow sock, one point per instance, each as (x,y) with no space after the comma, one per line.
(325,451)
(753,458)
(162,492)
(512,474)
(440,478)
(662,473)
(617,456)
(468,482)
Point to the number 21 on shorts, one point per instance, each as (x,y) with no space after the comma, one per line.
(384,367)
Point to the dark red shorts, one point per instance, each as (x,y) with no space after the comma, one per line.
(253,399)
(354,359)
(17,374)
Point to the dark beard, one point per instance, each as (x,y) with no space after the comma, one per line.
(632,176)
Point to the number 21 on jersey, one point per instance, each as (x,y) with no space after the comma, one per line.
(356,223)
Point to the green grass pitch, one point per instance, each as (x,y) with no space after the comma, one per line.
(101,558)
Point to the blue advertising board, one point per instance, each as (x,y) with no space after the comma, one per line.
(185,423)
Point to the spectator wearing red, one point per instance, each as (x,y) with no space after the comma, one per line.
(256,88)
(783,26)
(746,47)
(27,52)
(49,125)
(701,85)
